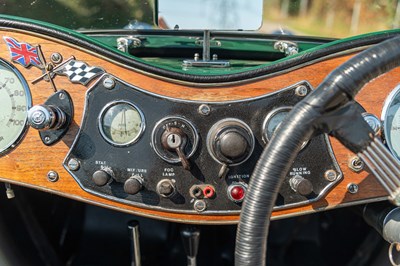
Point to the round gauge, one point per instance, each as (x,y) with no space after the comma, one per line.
(121,123)
(272,122)
(15,100)
(391,121)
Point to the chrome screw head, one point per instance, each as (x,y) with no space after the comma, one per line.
(204,109)
(352,188)
(52,176)
(200,205)
(109,83)
(301,91)
(73,164)
(330,175)
(56,58)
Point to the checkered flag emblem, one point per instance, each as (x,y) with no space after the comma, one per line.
(80,72)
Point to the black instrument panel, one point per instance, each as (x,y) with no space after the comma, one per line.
(188,157)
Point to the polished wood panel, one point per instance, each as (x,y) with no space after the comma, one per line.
(30,162)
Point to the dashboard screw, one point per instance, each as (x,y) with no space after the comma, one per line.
(109,83)
(301,91)
(61,96)
(73,164)
(330,175)
(204,109)
(56,58)
(200,205)
(352,188)
(52,176)
(47,139)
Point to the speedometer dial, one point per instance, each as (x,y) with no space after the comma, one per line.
(391,121)
(15,100)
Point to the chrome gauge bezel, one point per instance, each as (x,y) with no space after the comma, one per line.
(388,101)
(100,123)
(214,131)
(192,129)
(28,96)
(268,118)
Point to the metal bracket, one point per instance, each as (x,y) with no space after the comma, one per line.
(289,48)
(206,61)
(62,100)
(129,42)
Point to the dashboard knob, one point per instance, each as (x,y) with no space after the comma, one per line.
(101,177)
(301,185)
(45,117)
(133,185)
(230,141)
(233,145)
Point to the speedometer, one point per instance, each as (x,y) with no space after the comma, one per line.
(391,121)
(15,100)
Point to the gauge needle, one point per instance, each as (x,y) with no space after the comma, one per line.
(126,131)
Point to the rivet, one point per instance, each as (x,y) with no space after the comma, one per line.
(109,83)
(204,109)
(73,164)
(330,175)
(52,176)
(352,188)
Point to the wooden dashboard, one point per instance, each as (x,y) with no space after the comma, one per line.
(29,164)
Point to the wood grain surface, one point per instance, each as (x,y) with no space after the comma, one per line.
(30,162)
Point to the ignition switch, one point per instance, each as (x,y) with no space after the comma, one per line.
(175,140)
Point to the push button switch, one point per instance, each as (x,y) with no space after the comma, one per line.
(133,184)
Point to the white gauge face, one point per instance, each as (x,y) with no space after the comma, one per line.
(121,123)
(15,100)
(391,117)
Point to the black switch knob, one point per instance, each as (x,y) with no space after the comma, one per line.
(101,177)
(165,188)
(133,184)
(301,185)
(233,145)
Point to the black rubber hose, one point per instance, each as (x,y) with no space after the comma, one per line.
(300,124)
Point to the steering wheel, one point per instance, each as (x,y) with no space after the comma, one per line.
(328,109)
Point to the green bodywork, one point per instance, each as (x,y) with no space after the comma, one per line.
(259,46)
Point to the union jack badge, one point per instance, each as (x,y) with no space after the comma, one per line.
(80,72)
(24,53)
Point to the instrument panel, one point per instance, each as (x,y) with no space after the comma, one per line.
(191,156)
(131,141)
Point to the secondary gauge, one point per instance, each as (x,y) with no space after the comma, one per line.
(15,100)
(391,121)
(272,122)
(121,123)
